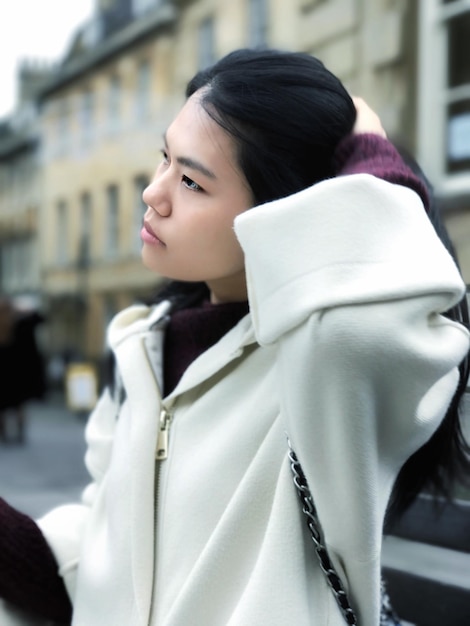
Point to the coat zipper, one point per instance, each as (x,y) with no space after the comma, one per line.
(161,453)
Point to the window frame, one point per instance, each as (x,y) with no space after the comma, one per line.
(206,42)
(143,90)
(258,23)
(62,243)
(435,96)
(112,222)
(87,113)
(86,218)
(113,108)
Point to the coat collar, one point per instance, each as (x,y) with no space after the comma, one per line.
(146,325)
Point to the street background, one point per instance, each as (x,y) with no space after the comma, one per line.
(48,469)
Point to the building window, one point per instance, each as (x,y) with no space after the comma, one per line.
(206,46)
(444,94)
(142,6)
(140,183)
(62,233)
(63,126)
(85,230)
(257,23)
(142,102)
(86,118)
(114,104)
(23,276)
(112,226)
(458,93)
(9,266)
(18,269)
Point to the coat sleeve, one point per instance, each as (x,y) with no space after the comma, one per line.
(63,527)
(368,153)
(28,571)
(349,279)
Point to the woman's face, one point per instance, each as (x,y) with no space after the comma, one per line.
(193,199)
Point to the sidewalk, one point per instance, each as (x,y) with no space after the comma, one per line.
(48,469)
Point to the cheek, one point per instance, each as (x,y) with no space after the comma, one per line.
(221,234)
(214,244)
(228,251)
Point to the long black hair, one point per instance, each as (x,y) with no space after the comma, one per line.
(286,112)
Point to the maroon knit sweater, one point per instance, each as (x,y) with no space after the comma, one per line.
(28,572)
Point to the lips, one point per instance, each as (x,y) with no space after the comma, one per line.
(149,235)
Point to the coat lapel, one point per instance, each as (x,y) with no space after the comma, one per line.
(144,403)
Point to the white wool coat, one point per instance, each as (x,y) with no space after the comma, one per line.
(345,350)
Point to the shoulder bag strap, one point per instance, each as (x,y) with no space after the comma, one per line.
(316,533)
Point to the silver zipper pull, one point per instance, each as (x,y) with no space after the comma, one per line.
(162,438)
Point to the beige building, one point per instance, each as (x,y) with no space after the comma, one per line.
(21,192)
(103,114)
(102,118)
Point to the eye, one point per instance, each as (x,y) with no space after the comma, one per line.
(190,184)
(165,157)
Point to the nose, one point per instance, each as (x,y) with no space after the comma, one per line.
(156,197)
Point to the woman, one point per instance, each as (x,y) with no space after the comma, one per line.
(21,367)
(314,320)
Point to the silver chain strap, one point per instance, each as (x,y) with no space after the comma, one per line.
(388,617)
(316,534)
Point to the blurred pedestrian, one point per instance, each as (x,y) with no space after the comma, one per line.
(309,341)
(22,371)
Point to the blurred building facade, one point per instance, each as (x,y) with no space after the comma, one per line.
(21,189)
(102,118)
(103,112)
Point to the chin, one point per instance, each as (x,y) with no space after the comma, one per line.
(149,262)
(159,269)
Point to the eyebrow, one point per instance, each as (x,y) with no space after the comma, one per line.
(192,163)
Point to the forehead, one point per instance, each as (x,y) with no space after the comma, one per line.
(198,135)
